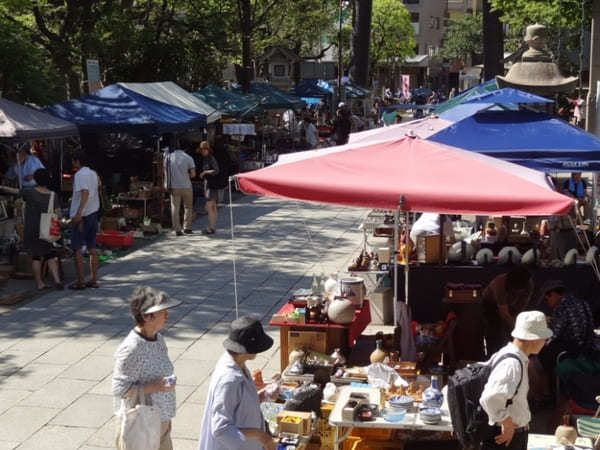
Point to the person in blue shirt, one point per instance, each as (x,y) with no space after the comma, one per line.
(29,164)
(232,416)
(576,187)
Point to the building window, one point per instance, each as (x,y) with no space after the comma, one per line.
(279,70)
(414,17)
(411,2)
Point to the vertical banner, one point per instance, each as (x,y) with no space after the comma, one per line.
(93,75)
(406,86)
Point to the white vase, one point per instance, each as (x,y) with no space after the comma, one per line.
(341,311)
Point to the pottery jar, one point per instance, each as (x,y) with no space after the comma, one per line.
(341,311)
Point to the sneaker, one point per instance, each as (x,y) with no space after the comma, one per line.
(179,233)
(188,231)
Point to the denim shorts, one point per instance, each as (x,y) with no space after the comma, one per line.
(85,232)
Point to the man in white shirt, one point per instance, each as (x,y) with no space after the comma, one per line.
(504,397)
(310,133)
(85,204)
(179,168)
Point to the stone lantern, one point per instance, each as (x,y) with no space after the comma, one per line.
(536,73)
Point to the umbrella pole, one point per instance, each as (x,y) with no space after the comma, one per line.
(395,256)
(407,256)
(235,291)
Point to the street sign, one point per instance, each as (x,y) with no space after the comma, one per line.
(93,75)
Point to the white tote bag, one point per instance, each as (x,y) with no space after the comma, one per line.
(49,224)
(140,425)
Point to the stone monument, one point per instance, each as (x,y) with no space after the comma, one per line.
(536,73)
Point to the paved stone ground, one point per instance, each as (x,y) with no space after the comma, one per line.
(56,353)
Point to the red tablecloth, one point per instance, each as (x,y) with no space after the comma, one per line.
(362,318)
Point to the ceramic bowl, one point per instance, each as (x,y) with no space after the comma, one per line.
(430,415)
(401,401)
(393,414)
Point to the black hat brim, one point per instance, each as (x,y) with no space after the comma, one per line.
(264,343)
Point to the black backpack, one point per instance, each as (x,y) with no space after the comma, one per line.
(469,420)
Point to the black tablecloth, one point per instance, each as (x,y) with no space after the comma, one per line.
(427,281)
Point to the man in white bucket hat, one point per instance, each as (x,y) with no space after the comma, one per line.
(504,397)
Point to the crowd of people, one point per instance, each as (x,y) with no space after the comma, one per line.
(180,177)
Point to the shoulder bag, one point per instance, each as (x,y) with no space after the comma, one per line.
(49,224)
(139,426)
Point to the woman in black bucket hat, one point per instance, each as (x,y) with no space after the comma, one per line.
(232,416)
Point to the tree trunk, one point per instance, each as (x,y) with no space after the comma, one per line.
(245,10)
(493,42)
(361,39)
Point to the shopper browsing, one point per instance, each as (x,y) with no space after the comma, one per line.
(85,204)
(210,170)
(504,397)
(232,416)
(179,168)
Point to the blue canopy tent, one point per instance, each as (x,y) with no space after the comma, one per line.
(501,99)
(228,102)
(312,87)
(116,109)
(531,139)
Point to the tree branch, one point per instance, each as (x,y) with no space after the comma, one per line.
(41,24)
(264,13)
(320,55)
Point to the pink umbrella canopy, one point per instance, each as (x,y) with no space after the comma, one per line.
(430,177)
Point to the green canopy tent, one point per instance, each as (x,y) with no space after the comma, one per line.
(268,96)
(483,88)
(229,103)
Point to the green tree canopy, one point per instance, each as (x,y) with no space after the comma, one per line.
(392,35)
(463,37)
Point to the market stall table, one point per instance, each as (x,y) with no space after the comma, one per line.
(411,421)
(336,334)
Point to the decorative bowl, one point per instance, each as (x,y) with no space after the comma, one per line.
(401,401)
(393,414)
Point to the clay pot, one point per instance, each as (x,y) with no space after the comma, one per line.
(378,354)
(341,310)
(565,434)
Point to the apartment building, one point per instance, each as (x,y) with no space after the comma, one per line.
(429,19)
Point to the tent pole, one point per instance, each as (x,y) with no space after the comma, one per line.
(235,291)
(594,197)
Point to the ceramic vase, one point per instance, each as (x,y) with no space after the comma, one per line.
(432,396)
(341,310)
(378,355)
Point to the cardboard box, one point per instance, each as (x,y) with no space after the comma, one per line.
(315,340)
(428,249)
(382,306)
(109,223)
(301,427)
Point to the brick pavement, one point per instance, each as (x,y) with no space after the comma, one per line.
(56,352)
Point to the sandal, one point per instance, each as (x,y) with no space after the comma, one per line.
(44,288)
(208,231)
(92,284)
(77,287)
(59,287)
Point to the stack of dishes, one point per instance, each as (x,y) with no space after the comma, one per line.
(401,401)
(431,416)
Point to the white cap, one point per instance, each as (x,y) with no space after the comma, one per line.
(341,104)
(531,325)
